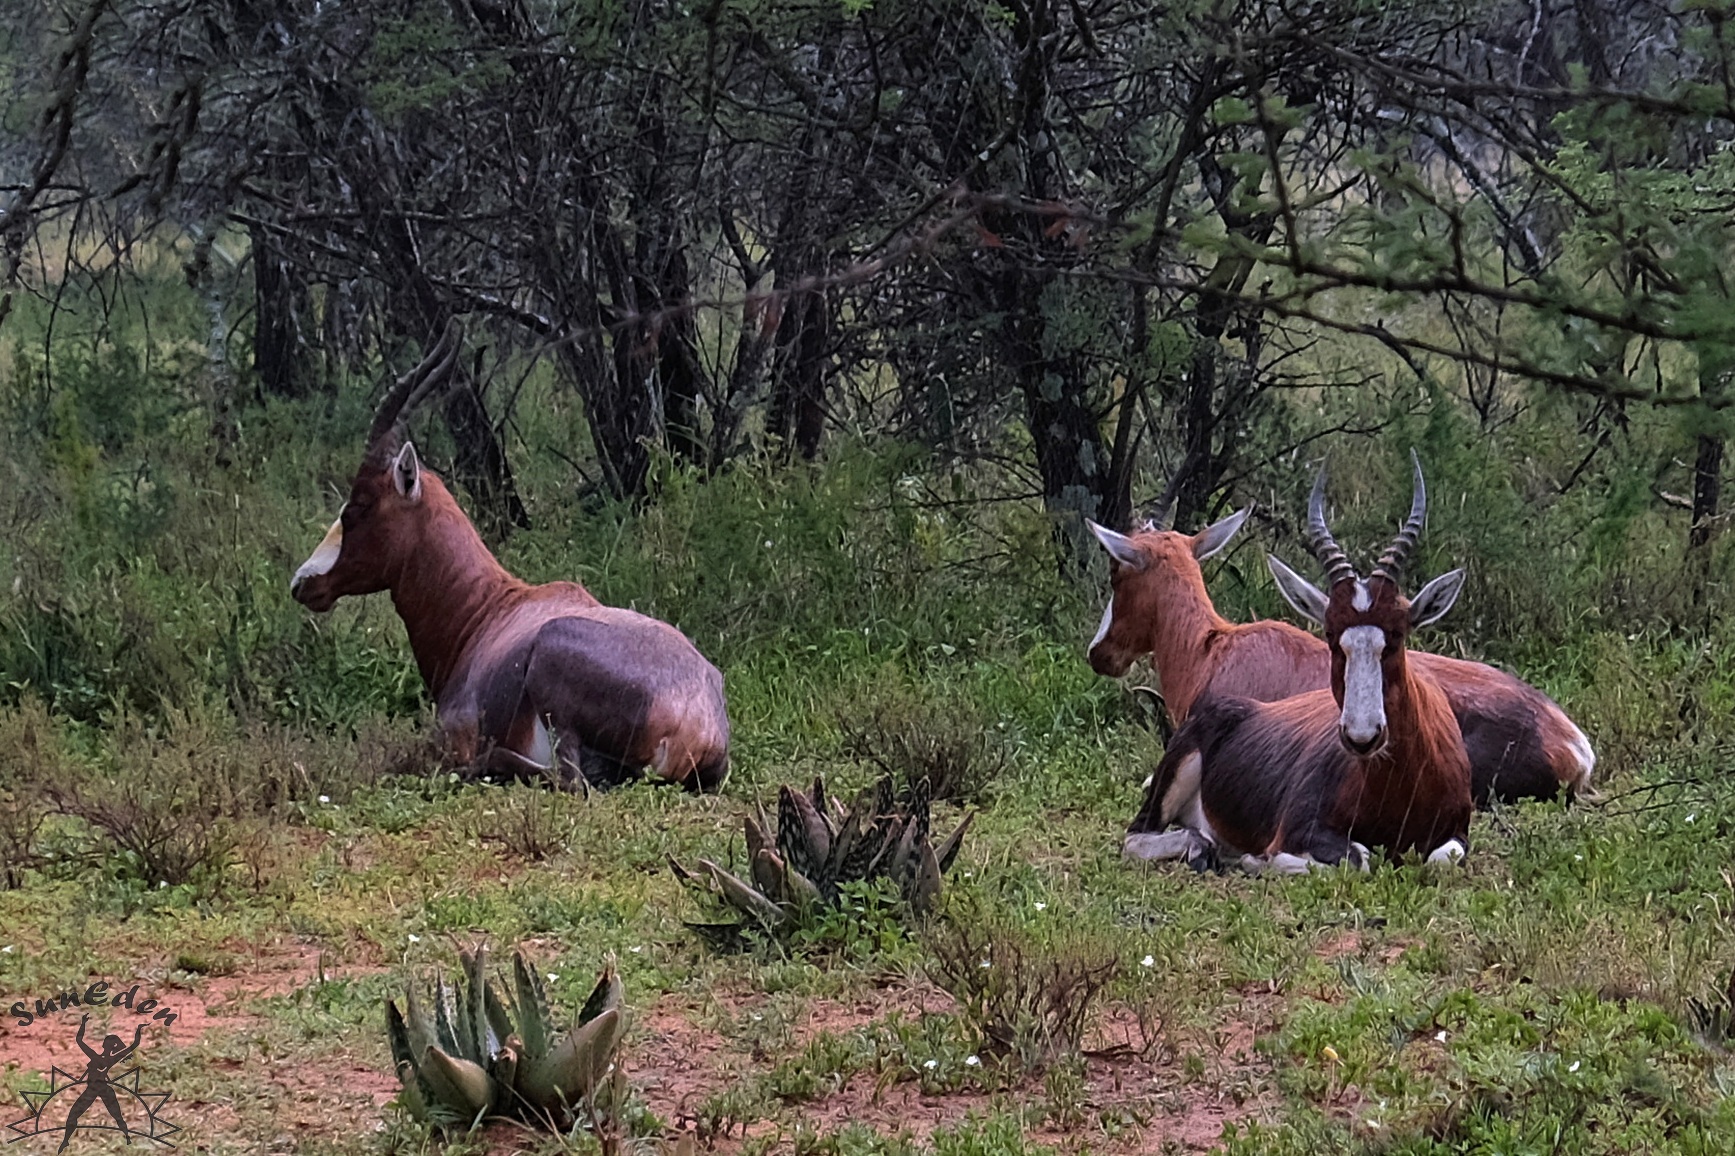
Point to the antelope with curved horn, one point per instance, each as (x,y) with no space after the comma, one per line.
(528,680)
(1377,760)
(1521,744)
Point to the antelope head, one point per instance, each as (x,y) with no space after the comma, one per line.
(385,518)
(1368,620)
(1143,569)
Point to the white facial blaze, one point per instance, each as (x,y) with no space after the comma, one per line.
(1364,692)
(1362,599)
(324,556)
(1107,621)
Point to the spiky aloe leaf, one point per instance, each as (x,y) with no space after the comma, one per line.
(947,853)
(918,808)
(768,871)
(533,1016)
(799,890)
(859,860)
(744,898)
(500,1026)
(457,1084)
(887,834)
(445,1032)
(817,797)
(924,887)
(849,834)
(903,859)
(757,839)
(477,1037)
(682,874)
(607,995)
(561,1080)
(803,833)
(403,1058)
(504,1067)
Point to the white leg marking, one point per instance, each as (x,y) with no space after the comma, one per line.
(1450,853)
(541,750)
(1107,621)
(324,556)
(1183,794)
(1163,846)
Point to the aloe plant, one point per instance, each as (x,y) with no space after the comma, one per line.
(818,846)
(478,1056)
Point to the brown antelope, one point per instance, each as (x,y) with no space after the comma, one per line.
(1377,760)
(1521,744)
(531,681)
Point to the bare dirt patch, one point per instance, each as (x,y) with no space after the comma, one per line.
(180,1010)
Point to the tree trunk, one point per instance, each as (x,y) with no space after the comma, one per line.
(280,306)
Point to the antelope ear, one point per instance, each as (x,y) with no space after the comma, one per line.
(1433,600)
(407,473)
(1119,546)
(1309,600)
(1216,536)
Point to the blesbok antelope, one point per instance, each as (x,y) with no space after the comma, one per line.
(530,681)
(1521,744)
(1318,778)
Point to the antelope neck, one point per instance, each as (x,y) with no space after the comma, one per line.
(1185,622)
(446,593)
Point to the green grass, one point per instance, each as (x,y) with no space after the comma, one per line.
(1557,994)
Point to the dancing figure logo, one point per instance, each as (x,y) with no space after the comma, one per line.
(107,1096)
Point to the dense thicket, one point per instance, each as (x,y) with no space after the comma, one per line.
(1111,258)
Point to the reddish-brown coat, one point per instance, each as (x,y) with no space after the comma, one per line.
(505,659)
(1522,745)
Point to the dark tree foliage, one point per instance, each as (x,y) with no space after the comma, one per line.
(1094,238)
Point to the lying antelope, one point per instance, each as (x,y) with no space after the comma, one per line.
(1377,760)
(1521,744)
(530,681)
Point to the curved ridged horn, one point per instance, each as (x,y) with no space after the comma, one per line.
(1319,539)
(411,390)
(1391,563)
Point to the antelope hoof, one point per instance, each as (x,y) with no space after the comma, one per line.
(1183,843)
(1448,854)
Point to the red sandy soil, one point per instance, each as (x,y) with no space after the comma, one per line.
(677,1065)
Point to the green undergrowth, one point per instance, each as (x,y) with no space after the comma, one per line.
(199,781)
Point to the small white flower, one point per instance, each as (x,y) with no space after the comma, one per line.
(930,1064)
(972,1061)
(1148,961)
(768,543)
(415,939)
(1578,858)
(7,950)
(325,798)
(1691,816)
(1572,1067)
(1040,906)
(552,976)
(757,1017)
(1441,1036)
(983,965)
(163,885)
(635,950)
